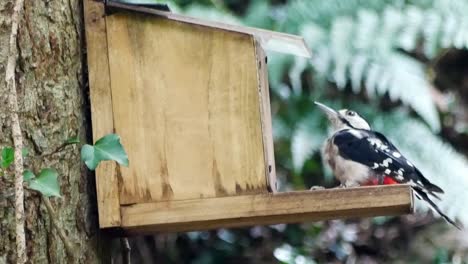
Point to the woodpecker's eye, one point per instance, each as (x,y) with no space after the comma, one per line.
(350,113)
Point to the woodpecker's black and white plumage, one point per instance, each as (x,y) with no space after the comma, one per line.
(357,155)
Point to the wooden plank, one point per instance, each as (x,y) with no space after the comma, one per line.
(101,110)
(186,105)
(270,40)
(262,209)
(267,128)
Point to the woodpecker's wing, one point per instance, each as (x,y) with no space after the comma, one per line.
(374,150)
(418,177)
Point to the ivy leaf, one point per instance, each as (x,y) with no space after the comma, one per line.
(8,156)
(46,183)
(72,140)
(28,175)
(24,152)
(106,148)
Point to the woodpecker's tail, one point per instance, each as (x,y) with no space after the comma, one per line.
(425,184)
(422,195)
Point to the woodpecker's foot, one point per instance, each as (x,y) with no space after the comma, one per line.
(340,186)
(314,188)
(380,179)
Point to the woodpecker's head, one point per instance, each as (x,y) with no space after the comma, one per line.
(343,118)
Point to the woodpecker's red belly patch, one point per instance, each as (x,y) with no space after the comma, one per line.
(387,181)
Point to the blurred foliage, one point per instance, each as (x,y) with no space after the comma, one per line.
(388,60)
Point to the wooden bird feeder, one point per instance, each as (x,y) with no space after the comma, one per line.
(190,100)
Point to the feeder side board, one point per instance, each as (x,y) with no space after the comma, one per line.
(266,116)
(186,104)
(101,110)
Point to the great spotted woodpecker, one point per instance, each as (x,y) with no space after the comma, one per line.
(358,155)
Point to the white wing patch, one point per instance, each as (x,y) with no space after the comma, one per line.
(356,133)
(384,147)
(378,144)
(374,142)
(386,162)
(396,154)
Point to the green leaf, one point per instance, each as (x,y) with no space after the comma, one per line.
(72,140)
(24,152)
(106,148)
(28,175)
(8,156)
(46,183)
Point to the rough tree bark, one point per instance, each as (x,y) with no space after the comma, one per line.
(52,107)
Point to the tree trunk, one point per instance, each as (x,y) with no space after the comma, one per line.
(53,107)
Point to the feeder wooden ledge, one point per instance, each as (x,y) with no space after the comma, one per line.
(267,209)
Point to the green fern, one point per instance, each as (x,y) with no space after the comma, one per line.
(439,23)
(365,45)
(306,139)
(208,13)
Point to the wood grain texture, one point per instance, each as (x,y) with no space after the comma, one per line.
(267,128)
(261,209)
(101,110)
(186,104)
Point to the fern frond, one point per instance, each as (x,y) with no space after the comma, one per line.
(307,138)
(359,43)
(407,83)
(439,23)
(280,129)
(393,73)
(324,12)
(208,13)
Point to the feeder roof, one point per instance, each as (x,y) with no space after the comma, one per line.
(269,40)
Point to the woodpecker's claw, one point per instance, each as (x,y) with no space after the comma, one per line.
(315,188)
(340,186)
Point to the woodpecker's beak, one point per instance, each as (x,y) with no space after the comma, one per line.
(331,114)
